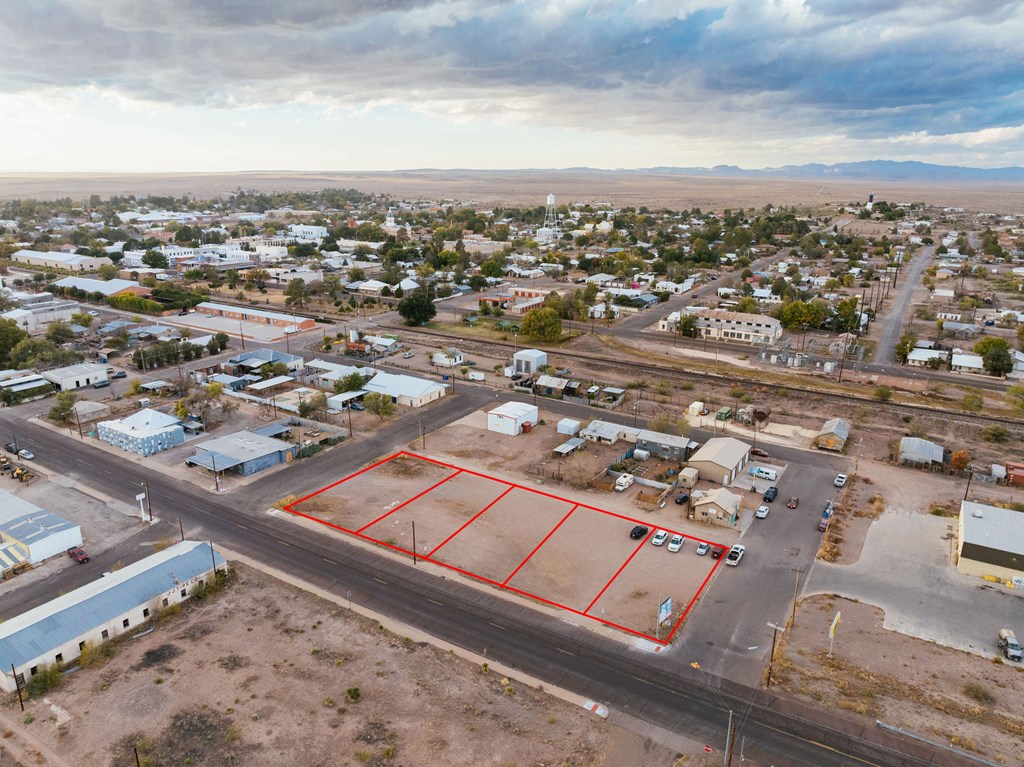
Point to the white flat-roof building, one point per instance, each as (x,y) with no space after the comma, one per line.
(34,318)
(31,534)
(89,285)
(729,326)
(512,418)
(55,633)
(991,542)
(76,376)
(529,361)
(143,433)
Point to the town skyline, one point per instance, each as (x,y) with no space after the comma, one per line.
(93,86)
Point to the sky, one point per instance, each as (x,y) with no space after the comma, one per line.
(348,85)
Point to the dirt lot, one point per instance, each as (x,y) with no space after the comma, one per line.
(536,543)
(942,694)
(321,687)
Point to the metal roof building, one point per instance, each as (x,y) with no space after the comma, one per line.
(31,534)
(143,433)
(720,459)
(56,632)
(917,450)
(245,453)
(991,542)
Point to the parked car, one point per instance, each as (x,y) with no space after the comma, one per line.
(1009,645)
(357,406)
(735,554)
(638,532)
(762,512)
(822,525)
(101,384)
(717,552)
(10,447)
(771,494)
(78,554)
(94,313)
(659,538)
(793,502)
(682,498)
(758,452)
(408,355)
(676,543)
(26,455)
(119,374)
(702,548)
(840,480)
(829,508)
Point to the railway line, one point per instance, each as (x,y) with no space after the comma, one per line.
(674,374)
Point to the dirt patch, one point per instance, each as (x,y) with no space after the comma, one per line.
(940,693)
(279,662)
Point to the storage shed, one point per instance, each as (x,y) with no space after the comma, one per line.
(833,435)
(512,418)
(568,426)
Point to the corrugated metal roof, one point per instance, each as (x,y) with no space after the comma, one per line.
(917,450)
(836,426)
(722,451)
(993,527)
(36,632)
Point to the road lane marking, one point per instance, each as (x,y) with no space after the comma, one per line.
(283,543)
(496,625)
(331,561)
(380,581)
(239,524)
(435,602)
(565,651)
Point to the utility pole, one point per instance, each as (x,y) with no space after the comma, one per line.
(970,476)
(771,658)
(860,447)
(728,742)
(17,683)
(181,528)
(349,409)
(414,541)
(149,500)
(423,437)
(796,587)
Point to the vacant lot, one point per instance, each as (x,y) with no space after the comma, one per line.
(556,549)
(939,693)
(266,675)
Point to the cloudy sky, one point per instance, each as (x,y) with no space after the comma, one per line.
(192,85)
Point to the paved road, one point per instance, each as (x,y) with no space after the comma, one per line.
(893,323)
(656,688)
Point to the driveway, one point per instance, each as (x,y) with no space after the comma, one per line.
(905,569)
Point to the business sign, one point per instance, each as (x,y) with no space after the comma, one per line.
(665,611)
(834,626)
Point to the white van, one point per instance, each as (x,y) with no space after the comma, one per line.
(624,481)
(762,473)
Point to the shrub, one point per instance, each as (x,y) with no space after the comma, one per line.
(45,679)
(352,694)
(883,394)
(995,433)
(979,693)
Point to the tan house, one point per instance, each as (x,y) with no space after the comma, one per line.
(718,507)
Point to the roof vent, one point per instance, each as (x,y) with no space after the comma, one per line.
(977,513)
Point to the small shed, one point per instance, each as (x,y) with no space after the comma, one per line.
(568,426)
(695,408)
(512,418)
(529,361)
(922,452)
(833,435)
(688,477)
(570,446)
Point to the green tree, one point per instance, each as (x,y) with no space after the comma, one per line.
(379,404)
(106,272)
(83,319)
(60,332)
(417,308)
(154,260)
(542,324)
(10,336)
(905,345)
(296,293)
(998,362)
(222,341)
(351,382)
(63,407)
(986,346)
(688,326)
(748,305)
(883,393)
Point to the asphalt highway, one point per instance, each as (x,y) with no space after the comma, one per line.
(661,689)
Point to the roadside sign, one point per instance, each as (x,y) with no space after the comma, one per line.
(708,750)
(665,610)
(140,497)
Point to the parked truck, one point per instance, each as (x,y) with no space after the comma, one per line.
(1009,645)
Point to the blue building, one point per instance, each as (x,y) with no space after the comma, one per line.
(143,433)
(245,453)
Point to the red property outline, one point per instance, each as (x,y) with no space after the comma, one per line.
(457,470)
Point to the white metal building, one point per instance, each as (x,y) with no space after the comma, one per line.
(56,632)
(529,361)
(405,390)
(31,534)
(76,376)
(720,459)
(511,417)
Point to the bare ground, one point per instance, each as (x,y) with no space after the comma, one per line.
(948,696)
(264,674)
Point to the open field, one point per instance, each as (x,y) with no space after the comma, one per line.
(525,187)
(320,686)
(556,550)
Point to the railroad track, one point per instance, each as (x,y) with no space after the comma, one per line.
(673,374)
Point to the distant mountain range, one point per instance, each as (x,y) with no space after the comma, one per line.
(875,170)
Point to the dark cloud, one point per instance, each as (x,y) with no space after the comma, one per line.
(862,68)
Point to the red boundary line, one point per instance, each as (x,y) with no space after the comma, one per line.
(471,521)
(406,503)
(619,571)
(537,547)
(344,479)
(290,508)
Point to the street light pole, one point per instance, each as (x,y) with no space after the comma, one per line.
(149,500)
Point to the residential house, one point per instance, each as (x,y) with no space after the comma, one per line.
(718,507)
